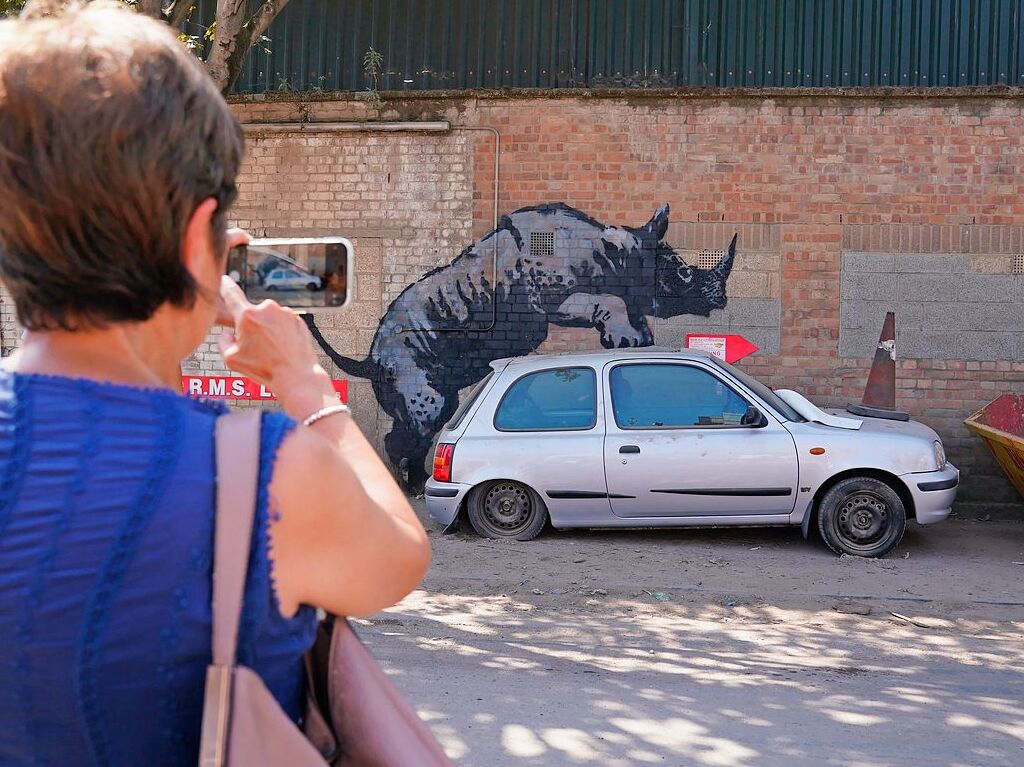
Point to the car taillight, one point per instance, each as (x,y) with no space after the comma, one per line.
(443,462)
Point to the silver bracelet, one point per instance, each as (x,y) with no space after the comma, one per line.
(324,412)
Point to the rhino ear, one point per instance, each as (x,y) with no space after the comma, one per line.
(658,224)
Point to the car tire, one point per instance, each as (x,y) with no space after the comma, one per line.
(862,517)
(271,287)
(311,286)
(506,509)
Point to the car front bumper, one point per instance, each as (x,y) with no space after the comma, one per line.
(444,500)
(934,493)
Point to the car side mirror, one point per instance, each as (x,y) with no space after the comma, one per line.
(753,418)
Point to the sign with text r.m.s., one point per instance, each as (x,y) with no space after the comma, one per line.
(234,387)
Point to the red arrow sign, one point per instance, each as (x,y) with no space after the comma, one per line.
(728,347)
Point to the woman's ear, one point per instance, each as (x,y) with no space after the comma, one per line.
(198,253)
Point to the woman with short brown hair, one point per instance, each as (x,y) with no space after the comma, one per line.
(118,161)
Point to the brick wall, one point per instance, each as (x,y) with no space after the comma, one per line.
(814,185)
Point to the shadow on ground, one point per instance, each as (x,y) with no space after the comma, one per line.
(537,664)
(507,681)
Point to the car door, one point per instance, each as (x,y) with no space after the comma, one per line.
(292,279)
(677,445)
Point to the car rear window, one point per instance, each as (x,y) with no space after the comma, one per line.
(467,403)
(560,399)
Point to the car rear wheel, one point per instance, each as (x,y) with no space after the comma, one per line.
(862,516)
(506,509)
(311,286)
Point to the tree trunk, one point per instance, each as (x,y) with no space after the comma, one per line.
(235,35)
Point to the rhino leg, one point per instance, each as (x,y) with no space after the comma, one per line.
(419,411)
(609,315)
(408,450)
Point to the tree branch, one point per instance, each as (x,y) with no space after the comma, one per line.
(235,36)
(177,12)
(151,8)
(263,17)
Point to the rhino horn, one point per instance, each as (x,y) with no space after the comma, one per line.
(724,266)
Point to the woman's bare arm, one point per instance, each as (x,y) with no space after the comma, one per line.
(345,538)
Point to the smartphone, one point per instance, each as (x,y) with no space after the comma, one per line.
(300,272)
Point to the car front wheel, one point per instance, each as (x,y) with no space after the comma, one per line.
(862,516)
(506,509)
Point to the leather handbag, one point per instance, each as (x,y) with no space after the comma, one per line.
(355,716)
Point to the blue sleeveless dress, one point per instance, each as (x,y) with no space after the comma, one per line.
(106,540)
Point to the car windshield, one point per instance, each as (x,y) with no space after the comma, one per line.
(762,391)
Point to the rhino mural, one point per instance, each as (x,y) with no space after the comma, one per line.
(543,265)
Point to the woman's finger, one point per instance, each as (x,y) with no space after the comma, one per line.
(233,300)
(224,316)
(236,237)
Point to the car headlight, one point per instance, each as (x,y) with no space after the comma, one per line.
(940,455)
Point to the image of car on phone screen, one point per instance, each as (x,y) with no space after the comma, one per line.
(301,272)
(291,279)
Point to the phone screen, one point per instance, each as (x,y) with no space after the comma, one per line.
(303,273)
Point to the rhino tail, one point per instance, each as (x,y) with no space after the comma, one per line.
(365,368)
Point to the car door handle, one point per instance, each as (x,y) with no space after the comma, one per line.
(629,449)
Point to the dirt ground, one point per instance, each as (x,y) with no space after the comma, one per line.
(741,648)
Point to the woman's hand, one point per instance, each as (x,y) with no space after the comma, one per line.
(272,345)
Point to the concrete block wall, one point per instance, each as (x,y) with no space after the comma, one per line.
(956,291)
(754,287)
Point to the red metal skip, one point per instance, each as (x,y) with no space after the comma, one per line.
(1001,425)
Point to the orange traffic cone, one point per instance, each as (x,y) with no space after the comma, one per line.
(879,399)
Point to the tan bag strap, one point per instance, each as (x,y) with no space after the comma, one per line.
(237,443)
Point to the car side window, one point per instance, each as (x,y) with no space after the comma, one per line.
(558,399)
(646,396)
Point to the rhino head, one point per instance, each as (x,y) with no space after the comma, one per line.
(681,288)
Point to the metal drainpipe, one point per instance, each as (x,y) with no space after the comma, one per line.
(494,257)
(439,126)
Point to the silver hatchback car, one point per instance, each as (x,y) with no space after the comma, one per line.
(650,438)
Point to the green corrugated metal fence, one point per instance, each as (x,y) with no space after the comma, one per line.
(458,44)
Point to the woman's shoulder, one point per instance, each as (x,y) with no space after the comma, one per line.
(44,386)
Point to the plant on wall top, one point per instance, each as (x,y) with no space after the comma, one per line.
(372,63)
